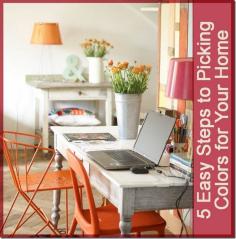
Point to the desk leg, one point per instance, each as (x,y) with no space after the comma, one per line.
(125,225)
(45,119)
(126,209)
(55,216)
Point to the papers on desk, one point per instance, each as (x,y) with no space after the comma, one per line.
(93,145)
(77,137)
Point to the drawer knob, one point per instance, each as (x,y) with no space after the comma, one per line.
(80,92)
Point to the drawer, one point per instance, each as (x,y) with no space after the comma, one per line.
(77,94)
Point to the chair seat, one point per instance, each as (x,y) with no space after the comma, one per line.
(53,180)
(109,219)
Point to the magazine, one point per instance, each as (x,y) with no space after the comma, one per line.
(73,137)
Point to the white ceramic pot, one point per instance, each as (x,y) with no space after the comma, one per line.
(128,112)
(96,70)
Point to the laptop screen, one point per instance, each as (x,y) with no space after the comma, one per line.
(153,136)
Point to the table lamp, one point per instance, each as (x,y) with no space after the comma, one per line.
(46,34)
(180,79)
(180,82)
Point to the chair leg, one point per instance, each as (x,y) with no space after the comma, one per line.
(20,220)
(105,202)
(72,227)
(39,212)
(161,231)
(67,210)
(43,216)
(9,212)
(138,234)
(27,219)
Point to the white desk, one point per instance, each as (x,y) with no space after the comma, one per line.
(127,191)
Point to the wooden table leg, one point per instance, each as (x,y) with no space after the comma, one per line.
(55,215)
(125,225)
(45,119)
(126,210)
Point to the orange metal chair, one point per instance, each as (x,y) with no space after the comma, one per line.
(29,183)
(105,219)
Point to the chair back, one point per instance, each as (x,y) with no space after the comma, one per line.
(20,154)
(89,225)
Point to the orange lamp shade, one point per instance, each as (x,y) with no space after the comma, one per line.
(46,34)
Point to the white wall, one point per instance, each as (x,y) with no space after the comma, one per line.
(132,32)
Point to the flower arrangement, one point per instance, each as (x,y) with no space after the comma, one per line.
(96,48)
(129,79)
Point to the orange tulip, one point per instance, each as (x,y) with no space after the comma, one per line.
(141,68)
(136,70)
(148,68)
(110,63)
(125,64)
(115,69)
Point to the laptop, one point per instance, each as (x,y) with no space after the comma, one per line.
(147,150)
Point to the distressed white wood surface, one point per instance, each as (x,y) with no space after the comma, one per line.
(58,81)
(123,178)
(127,191)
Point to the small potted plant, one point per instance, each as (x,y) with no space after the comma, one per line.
(129,82)
(95,50)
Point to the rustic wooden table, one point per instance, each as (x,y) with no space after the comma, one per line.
(127,191)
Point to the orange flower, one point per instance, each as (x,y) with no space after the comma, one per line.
(110,63)
(119,65)
(136,70)
(141,68)
(125,64)
(148,68)
(86,44)
(115,69)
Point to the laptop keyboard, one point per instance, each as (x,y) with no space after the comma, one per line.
(124,157)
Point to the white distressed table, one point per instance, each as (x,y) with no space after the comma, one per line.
(51,88)
(127,191)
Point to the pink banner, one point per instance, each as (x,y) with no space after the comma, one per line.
(213,162)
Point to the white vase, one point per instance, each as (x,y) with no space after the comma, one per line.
(127,112)
(96,70)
